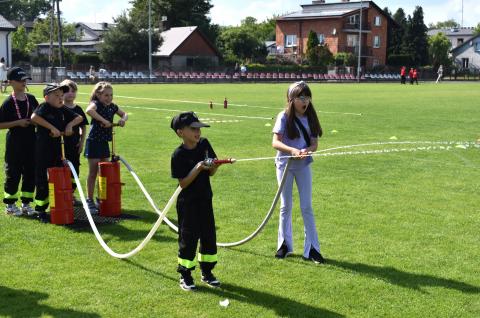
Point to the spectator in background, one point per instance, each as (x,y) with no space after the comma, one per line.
(440,73)
(410,75)
(415,76)
(403,72)
(3,76)
(91,73)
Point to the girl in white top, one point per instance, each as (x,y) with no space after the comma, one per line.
(296,134)
(3,76)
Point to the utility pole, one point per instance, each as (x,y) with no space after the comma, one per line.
(50,55)
(359,67)
(462,14)
(60,47)
(150,39)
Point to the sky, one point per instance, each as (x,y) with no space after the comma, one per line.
(231,12)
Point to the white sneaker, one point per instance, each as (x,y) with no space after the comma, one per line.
(28,210)
(13,210)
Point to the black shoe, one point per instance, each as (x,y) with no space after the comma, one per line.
(43,217)
(315,257)
(210,279)
(186,282)
(282,251)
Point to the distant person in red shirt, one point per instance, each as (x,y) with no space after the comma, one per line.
(403,72)
(410,75)
(415,76)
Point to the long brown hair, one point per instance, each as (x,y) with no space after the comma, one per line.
(295,90)
(98,89)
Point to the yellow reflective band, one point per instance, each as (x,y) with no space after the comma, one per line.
(41,202)
(51,194)
(28,195)
(207,258)
(10,196)
(102,188)
(187,263)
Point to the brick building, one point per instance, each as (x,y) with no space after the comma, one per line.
(186,48)
(338,25)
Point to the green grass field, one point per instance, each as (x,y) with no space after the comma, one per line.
(400,230)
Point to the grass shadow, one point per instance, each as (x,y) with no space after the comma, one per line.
(118,230)
(283,307)
(405,279)
(18,303)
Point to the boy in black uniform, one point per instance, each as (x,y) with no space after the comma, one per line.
(52,119)
(74,143)
(15,115)
(194,204)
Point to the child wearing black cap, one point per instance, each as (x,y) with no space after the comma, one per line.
(52,119)
(194,204)
(15,115)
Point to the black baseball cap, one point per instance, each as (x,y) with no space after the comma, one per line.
(17,74)
(52,87)
(186,119)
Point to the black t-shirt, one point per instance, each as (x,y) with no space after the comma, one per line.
(58,117)
(75,138)
(97,131)
(184,160)
(8,113)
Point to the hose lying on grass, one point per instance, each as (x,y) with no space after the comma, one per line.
(175,228)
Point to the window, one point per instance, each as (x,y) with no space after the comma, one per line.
(352,40)
(321,38)
(477,46)
(465,62)
(291,40)
(353,19)
(459,41)
(376,41)
(378,21)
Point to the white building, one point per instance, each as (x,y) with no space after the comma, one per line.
(467,55)
(457,36)
(6,29)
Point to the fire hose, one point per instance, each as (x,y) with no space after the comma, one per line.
(155,227)
(213,161)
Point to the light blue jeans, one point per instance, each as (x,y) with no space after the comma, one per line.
(303,179)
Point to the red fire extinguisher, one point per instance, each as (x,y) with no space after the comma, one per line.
(60,193)
(109,185)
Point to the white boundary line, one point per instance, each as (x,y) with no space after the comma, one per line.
(179,111)
(437,145)
(220,104)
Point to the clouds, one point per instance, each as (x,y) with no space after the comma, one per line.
(93,11)
(228,12)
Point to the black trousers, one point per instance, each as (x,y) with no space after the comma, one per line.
(19,165)
(196,222)
(71,153)
(48,155)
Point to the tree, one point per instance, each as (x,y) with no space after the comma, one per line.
(246,41)
(398,33)
(41,31)
(415,39)
(239,44)
(444,24)
(312,44)
(24,10)
(126,42)
(477,29)
(438,47)
(179,13)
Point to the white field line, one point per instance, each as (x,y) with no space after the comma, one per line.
(219,104)
(431,146)
(179,111)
